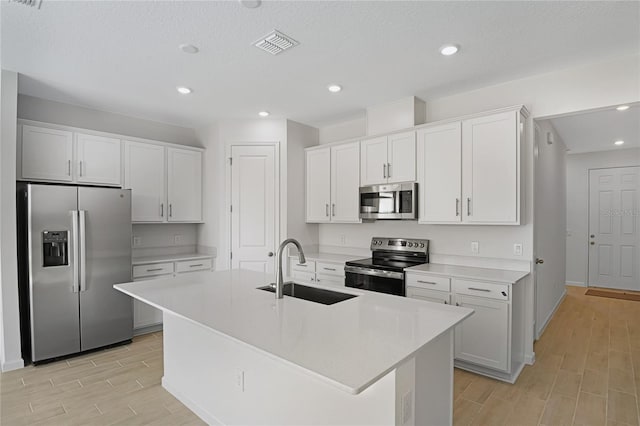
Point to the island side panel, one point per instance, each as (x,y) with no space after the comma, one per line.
(434,382)
(226,382)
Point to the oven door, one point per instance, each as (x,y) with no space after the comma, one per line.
(375,280)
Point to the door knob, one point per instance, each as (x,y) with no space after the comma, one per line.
(539,261)
(270,254)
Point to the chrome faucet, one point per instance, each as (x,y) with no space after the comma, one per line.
(301,259)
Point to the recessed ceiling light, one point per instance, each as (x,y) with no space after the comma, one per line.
(183,90)
(251,4)
(334,88)
(449,49)
(263,113)
(188,48)
(618,143)
(623,107)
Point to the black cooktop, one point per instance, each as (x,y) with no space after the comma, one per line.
(395,265)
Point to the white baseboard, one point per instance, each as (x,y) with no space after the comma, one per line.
(16,364)
(553,311)
(147,329)
(577,283)
(530,359)
(207,417)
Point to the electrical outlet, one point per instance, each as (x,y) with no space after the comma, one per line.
(475,247)
(407,407)
(137,241)
(343,239)
(240,380)
(177,239)
(517,249)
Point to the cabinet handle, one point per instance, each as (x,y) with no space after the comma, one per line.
(384,171)
(154,270)
(504,293)
(326,210)
(446,303)
(486,290)
(388,170)
(427,282)
(468,206)
(196,266)
(81,168)
(457,206)
(333,209)
(457,304)
(300,264)
(161,209)
(170,210)
(69,167)
(329,269)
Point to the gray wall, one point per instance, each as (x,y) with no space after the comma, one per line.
(37,109)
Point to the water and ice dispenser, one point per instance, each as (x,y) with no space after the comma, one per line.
(55,248)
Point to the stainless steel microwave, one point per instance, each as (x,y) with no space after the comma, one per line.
(393,201)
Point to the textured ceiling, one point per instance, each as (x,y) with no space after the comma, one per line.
(123,56)
(597,130)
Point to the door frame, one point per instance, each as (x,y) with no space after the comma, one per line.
(587,276)
(228,194)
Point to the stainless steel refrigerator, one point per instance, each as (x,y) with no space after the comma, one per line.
(74,245)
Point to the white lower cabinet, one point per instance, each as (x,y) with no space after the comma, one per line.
(490,341)
(146,318)
(320,272)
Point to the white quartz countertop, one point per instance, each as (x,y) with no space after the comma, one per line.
(169,258)
(350,344)
(329,257)
(468,272)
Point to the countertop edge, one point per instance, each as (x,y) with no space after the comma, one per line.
(169,258)
(454,274)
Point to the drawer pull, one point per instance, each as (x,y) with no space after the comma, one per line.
(504,293)
(196,266)
(329,269)
(486,290)
(446,303)
(154,270)
(426,282)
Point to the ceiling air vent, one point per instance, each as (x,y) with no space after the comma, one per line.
(275,42)
(32,3)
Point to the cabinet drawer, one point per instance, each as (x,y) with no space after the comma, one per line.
(429,295)
(309,266)
(304,277)
(330,280)
(429,282)
(336,269)
(152,269)
(482,289)
(193,265)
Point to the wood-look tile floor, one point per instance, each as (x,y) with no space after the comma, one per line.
(587,372)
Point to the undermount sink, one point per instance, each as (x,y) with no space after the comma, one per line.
(312,294)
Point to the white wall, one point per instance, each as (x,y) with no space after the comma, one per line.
(354,127)
(550,223)
(10,353)
(578,166)
(37,109)
(159,239)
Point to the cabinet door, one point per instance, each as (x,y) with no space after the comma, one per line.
(345,183)
(46,154)
(318,185)
(98,159)
(440,173)
(490,168)
(144,166)
(373,161)
(401,156)
(303,277)
(146,315)
(333,280)
(184,185)
(483,338)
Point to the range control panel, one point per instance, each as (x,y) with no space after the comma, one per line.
(400,244)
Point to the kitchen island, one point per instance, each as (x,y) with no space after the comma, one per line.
(234,354)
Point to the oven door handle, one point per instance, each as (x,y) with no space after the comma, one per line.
(375,272)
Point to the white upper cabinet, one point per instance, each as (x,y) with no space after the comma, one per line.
(373,161)
(184,193)
(144,174)
(490,168)
(318,185)
(47,154)
(333,183)
(469,170)
(388,159)
(401,157)
(345,183)
(440,173)
(98,159)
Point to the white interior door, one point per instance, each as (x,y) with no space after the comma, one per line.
(254,202)
(614,237)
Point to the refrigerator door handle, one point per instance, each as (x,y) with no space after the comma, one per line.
(75,240)
(83,251)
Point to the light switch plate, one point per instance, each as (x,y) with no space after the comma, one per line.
(137,241)
(517,249)
(475,247)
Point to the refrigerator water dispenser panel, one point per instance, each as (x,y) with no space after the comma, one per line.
(55,248)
